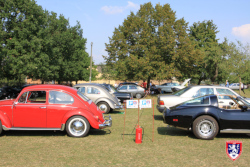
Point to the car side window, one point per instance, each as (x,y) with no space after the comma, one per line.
(56,97)
(221,91)
(92,90)
(124,87)
(22,98)
(204,91)
(132,87)
(198,101)
(36,97)
(81,89)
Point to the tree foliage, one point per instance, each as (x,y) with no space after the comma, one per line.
(152,44)
(39,44)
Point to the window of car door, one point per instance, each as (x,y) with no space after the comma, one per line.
(204,91)
(33,97)
(124,87)
(224,100)
(92,90)
(58,97)
(198,101)
(132,87)
(81,89)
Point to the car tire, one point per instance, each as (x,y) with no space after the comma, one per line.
(103,106)
(77,126)
(205,127)
(1,128)
(138,96)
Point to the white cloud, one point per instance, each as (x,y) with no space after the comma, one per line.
(242,32)
(119,9)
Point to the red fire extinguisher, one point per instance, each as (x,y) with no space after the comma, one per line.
(138,135)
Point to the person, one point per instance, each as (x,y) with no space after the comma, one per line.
(115,85)
(227,83)
(144,85)
(242,87)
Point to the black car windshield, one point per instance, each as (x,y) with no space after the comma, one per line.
(113,88)
(244,101)
(180,92)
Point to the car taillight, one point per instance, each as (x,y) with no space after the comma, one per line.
(161,102)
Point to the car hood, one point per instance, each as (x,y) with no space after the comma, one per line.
(7,102)
(184,83)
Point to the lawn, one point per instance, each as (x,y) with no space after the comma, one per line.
(108,147)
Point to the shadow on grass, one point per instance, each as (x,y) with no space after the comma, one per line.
(116,112)
(158,117)
(171,131)
(52,133)
(232,135)
(34,133)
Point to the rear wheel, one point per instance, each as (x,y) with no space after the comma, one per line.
(205,127)
(1,128)
(103,106)
(77,126)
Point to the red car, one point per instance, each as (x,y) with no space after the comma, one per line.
(52,107)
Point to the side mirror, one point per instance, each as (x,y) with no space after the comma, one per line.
(231,103)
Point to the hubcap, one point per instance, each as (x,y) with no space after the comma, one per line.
(77,127)
(205,128)
(103,107)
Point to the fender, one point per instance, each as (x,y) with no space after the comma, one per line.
(103,99)
(6,121)
(88,115)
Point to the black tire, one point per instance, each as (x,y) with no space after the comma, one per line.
(138,95)
(103,106)
(205,127)
(77,126)
(1,128)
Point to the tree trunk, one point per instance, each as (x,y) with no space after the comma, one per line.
(148,82)
(199,82)
(216,73)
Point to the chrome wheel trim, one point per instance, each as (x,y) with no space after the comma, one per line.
(103,107)
(206,128)
(77,126)
(138,96)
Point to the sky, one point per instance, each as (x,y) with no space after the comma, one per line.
(99,18)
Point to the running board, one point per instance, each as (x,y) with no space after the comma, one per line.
(235,131)
(61,129)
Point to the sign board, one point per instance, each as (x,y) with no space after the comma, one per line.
(145,103)
(132,104)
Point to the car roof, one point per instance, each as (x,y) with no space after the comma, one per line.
(211,86)
(50,87)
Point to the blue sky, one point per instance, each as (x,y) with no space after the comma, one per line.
(99,18)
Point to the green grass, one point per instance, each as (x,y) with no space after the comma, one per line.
(171,147)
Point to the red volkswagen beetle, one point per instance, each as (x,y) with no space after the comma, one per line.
(52,107)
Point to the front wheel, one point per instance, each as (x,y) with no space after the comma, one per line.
(77,126)
(205,127)
(138,95)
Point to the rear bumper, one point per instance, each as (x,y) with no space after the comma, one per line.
(106,123)
(160,109)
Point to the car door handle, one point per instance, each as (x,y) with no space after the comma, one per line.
(221,102)
(42,107)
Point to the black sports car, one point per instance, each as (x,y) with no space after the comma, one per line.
(206,117)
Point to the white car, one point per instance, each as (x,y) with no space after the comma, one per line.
(191,92)
(236,86)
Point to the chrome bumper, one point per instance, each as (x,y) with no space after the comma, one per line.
(119,107)
(106,123)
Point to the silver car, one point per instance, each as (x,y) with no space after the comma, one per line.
(135,90)
(100,96)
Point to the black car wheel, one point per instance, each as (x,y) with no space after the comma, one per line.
(103,106)
(205,127)
(138,95)
(77,126)
(1,128)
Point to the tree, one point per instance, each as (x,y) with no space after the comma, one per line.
(203,34)
(151,44)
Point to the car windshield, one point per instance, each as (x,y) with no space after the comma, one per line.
(243,100)
(180,92)
(85,98)
(113,88)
